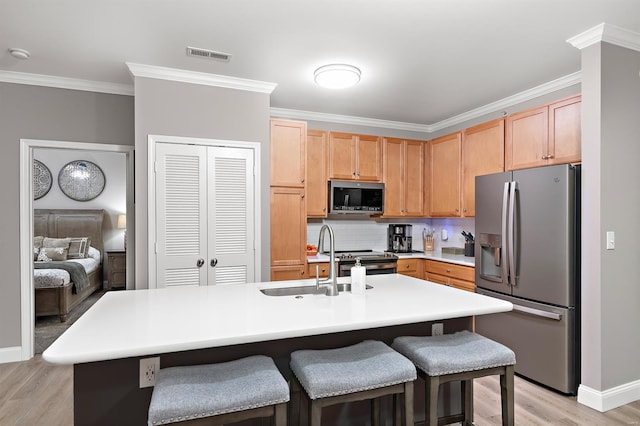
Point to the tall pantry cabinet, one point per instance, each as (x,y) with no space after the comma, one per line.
(288,203)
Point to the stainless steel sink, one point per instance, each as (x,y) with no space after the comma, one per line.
(301,290)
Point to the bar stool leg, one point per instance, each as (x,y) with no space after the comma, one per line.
(431,400)
(506,395)
(467,390)
(315,413)
(375,412)
(280,415)
(407,398)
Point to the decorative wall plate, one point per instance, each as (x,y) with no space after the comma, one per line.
(42,180)
(81,180)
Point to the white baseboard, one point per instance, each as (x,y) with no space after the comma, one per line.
(611,398)
(13,354)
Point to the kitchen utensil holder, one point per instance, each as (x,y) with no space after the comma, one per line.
(469,249)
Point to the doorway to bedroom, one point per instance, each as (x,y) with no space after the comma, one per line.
(81,178)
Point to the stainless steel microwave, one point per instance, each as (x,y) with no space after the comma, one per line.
(356,197)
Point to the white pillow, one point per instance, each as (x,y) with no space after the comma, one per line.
(94,253)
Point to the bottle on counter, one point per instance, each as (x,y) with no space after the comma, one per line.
(358,278)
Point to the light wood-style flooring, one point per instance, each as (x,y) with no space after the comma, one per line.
(36,393)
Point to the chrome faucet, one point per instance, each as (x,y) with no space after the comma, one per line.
(331,283)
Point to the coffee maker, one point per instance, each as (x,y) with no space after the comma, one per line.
(399,238)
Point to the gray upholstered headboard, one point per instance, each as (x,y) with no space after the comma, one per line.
(61,223)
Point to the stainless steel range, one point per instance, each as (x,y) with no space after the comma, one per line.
(375,262)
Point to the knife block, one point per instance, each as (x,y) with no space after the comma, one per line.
(429,244)
(469,249)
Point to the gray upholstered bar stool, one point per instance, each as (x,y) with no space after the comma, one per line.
(367,370)
(217,394)
(461,356)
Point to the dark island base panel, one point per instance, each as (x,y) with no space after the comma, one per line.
(108,393)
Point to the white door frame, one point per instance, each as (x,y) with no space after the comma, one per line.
(27,293)
(151,191)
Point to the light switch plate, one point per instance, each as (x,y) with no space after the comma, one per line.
(611,240)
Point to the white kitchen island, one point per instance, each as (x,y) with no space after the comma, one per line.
(192,325)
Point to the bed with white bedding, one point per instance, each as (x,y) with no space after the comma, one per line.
(56,290)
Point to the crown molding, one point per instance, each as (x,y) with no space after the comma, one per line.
(347,119)
(527,95)
(543,89)
(194,77)
(65,83)
(607,33)
(252,85)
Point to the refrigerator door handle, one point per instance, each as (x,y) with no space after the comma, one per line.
(504,252)
(537,312)
(512,234)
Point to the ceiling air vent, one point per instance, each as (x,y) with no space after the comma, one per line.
(205,53)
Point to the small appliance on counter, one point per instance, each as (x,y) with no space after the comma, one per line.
(399,238)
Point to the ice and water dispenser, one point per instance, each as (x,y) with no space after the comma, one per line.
(490,257)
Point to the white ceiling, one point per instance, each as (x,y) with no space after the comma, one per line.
(422,61)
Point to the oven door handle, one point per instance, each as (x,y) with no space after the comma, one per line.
(372,266)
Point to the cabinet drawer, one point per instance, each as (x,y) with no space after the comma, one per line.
(463,285)
(408,265)
(323,270)
(283,273)
(451,270)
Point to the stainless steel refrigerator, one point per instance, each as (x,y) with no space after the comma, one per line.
(528,252)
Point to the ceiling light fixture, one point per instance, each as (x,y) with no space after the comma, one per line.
(337,76)
(19,53)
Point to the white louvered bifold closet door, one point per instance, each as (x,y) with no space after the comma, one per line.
(231,215)
(205,212)
(181,217)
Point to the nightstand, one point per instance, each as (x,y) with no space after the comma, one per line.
(116,269)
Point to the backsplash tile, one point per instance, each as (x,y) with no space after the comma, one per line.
(371,234)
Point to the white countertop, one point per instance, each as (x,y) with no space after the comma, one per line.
(458,259)
(143,322)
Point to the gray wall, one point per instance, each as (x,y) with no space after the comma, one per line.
(182,109)
(611,202)
(32,112)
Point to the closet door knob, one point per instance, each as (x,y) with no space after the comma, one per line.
(200,262)
(214,262)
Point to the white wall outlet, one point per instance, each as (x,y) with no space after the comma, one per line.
(149,367)
(444,235)
(437,329)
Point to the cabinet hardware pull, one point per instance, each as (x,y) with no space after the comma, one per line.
(302,181)
(324,209)
(301,272)
(550,156)
(301,195)
(199,263)
(214,262)
(448,270)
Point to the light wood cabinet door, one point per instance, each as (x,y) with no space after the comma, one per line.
(283,273)
(403,177)
(414,178)
(482,154)
(288,227)
(527,138)
(369,158)
(546,135)
(342,156)
(355,157)
(317,189)
(393,177)
(288,158)
(565,136)
(444,176)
